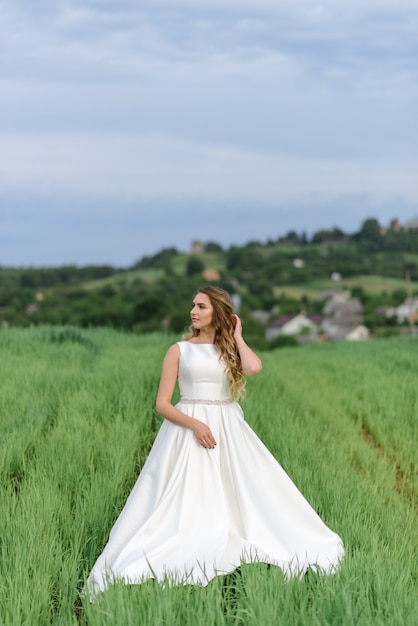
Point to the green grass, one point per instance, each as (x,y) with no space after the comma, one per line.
(410,257)
(77,421)
(127,278)
(370,284)
(210,260)
(153,275)
(377,283)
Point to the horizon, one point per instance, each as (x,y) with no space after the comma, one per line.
(299,232)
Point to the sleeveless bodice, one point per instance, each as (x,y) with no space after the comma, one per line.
(202,373)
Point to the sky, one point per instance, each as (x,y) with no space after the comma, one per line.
(134,125)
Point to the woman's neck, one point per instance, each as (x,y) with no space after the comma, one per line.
(206,336)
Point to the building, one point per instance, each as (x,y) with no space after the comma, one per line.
(293,325)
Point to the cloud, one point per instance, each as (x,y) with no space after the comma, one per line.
(300,77)
(117,39)
(129,168)
(285,108)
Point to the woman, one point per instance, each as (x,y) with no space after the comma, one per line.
(210,495)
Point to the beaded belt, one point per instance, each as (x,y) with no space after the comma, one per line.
(198,401)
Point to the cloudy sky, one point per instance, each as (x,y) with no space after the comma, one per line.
(127,126)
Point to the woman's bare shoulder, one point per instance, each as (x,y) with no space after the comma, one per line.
(173,351)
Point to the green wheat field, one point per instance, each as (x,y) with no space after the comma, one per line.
(77,422)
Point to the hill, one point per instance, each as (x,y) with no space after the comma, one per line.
(288,273)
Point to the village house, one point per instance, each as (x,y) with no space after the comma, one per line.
(294,325)
(359,333)
(338,294)
(337,332)
(408,311)
(197,247)
(211,274)
(346,310)
(261,316)
(342,319)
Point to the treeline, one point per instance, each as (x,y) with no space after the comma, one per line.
(155,291)
(373,250)
(45,277)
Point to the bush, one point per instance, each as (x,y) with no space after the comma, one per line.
(256,342)
(282,341)
(194,266)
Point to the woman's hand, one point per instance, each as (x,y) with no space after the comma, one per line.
(251,363)
(203,434)
(238,329)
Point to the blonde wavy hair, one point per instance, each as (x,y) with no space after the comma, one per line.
(224,325)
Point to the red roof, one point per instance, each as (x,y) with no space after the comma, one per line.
(281,321)
(284,319)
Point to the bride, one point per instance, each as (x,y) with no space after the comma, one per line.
(210,495)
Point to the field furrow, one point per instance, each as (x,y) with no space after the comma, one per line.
(77,422)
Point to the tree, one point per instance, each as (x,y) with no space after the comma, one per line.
(149,306)
(370,232)
(158,260)
(211,246)
(194,266)
(244,259)
(323,236)
(293,237)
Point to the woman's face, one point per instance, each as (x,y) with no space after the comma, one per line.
(202,312)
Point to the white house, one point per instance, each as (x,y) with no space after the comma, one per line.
(408,310)
(293,325)
(336,332)
(359,333)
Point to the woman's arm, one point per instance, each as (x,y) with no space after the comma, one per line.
(251,363)
(165,408)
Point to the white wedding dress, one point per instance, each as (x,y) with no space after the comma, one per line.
(195,513)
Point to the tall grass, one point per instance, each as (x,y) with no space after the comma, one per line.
(77,421)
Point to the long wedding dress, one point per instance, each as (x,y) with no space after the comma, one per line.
(195,513)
